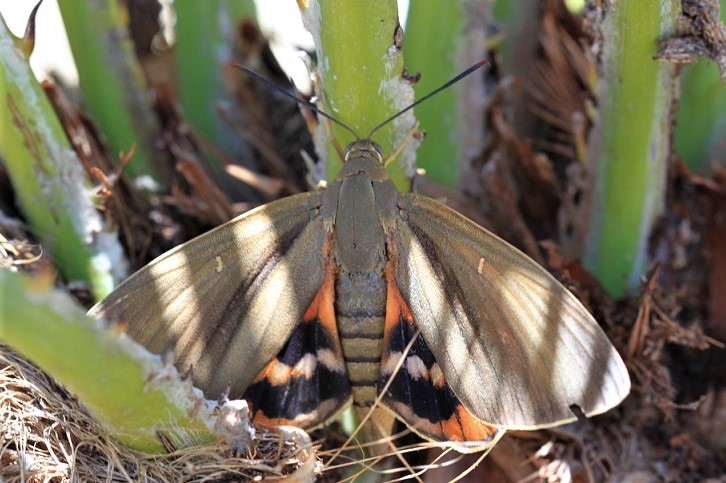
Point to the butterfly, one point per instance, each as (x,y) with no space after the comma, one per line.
(362,294)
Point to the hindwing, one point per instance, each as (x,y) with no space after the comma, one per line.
(415,388)
(307,383)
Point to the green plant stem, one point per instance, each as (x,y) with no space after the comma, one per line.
(129,391)
(630,143)
(453,119)
(360,68)
(111,83)
(49,182)
(701,116)
(205,38)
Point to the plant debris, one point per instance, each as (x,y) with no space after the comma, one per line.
(47,435)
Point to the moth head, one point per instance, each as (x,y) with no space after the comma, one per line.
(364,148)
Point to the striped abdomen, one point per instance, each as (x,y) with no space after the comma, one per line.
(360,312)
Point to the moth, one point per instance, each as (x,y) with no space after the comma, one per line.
(367,295)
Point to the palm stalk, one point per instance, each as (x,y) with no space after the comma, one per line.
(360,67)
(111,81)
(138,399)
(629,144)
(48,177)
(453,119)
(205,39)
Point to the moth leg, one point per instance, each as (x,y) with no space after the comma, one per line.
(402,144)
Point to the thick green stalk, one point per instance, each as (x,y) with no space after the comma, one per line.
(113,90)
(360,64)
(629,145)
(701,117)
(453,119)
(49,182)
(129,391)
(205,39)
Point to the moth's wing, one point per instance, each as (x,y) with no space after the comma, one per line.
(515,346)
(307,383)
(415,388)
(227,301)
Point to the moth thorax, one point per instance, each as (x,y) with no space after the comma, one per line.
(360,313)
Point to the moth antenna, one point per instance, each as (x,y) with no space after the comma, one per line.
(430,94)
(303,102)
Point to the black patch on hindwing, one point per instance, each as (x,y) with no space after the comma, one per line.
(415,390)
(298,383)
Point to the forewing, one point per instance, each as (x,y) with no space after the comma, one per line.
(227,301)
(516,347)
